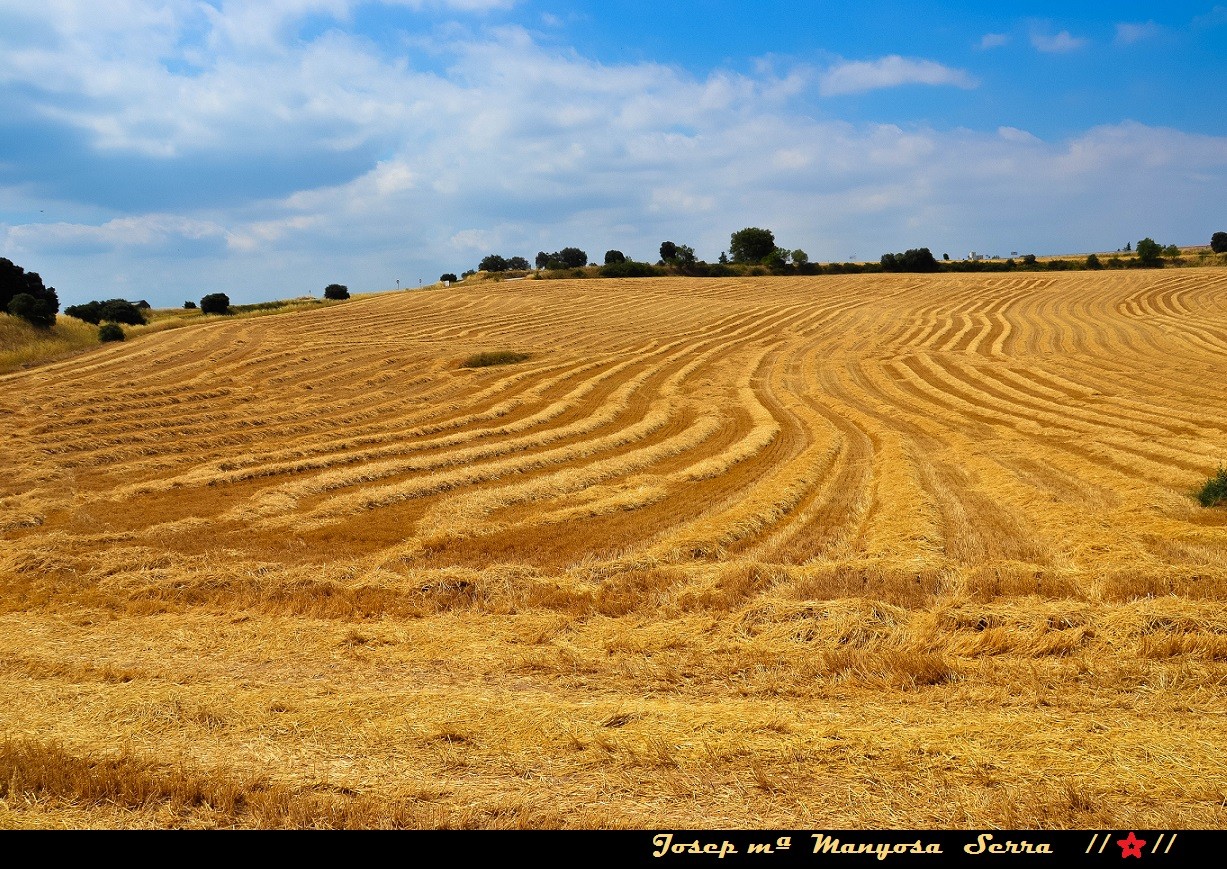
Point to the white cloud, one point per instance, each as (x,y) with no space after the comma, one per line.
(859,76)
(514,148)
(1128,34)
(1059,44)
(993,40)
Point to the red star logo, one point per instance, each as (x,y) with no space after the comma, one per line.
(1131,847)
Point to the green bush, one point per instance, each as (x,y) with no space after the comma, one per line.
(111,332)
(1214,492)
(35,311)
(215,303)
(495,357)
(336,292)
(630,269)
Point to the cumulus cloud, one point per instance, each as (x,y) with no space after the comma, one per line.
(1059,43)
(859,76)
(502,144)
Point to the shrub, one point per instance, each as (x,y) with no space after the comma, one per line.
(35,311)
(1218,242)
(919,259)
(1092,262)
(1214,492)
(111,332)
(629,269)
(336,292)
(496,357)
(215,303)
(189,306)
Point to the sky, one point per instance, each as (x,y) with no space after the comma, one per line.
(165,149)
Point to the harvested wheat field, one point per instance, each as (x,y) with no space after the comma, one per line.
(862,551)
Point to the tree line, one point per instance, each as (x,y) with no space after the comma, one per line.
(753,250)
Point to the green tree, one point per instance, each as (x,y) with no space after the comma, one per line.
(777,260)
(336,292)
(215,303)
(915,260)
(1218,242)
(572,257)
(668,251)
(35,311)
(447,277)
(493,263)
(16,281)
(614,256)
(1149,252)
(751,245)
(518,264)
(800,257)
(1092,262)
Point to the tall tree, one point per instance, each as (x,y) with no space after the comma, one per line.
(751,245)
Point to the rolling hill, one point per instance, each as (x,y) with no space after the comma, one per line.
(861,551)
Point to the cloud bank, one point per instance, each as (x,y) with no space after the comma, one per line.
(195,149)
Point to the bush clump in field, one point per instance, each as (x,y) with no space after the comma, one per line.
(110,311)
(215,303)
(495,357)
(1214,492)
(336,292)
(111,332)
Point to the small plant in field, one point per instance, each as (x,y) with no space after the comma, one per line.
(496,357)
(111,332)
(1214,492)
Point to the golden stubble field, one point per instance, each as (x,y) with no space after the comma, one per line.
(863,551)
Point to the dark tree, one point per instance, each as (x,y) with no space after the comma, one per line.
(447,278)
(111,332)
(1149,252)
(915,260)
(121,311)
(189,306)
(614,256)
(34,310)
(751,245)
(518,264)
(493,263)
(110,311)
(1218,242)
(543,259)
(1092,262)
(668,251)
(16,281)
(572,257)
(336,292)
(215,303)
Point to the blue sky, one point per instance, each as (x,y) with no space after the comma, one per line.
(163,150)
